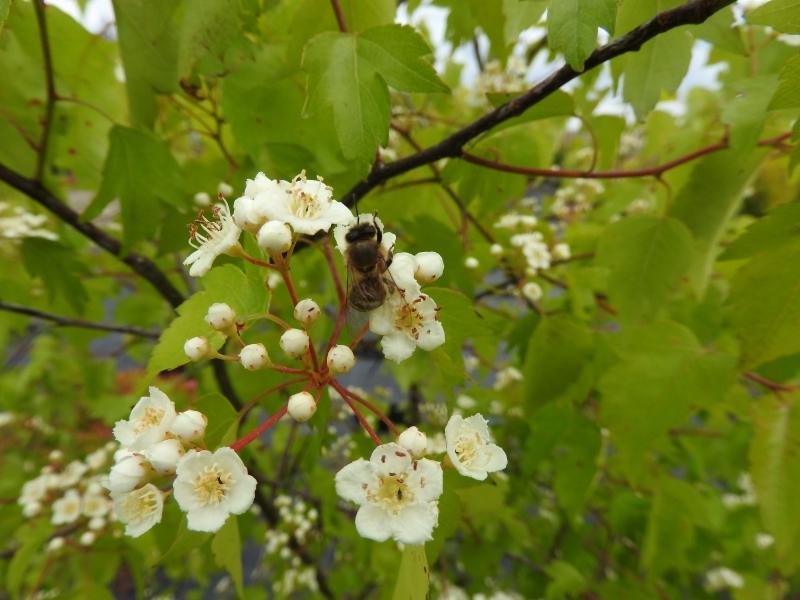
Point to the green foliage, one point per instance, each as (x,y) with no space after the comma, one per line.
(572,27)
(783,15)
(227,549)
(412,576)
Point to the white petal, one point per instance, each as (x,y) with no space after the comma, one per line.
(184,495)
(381,320)
(414,524)
(207,518)
(339,214)
(431,336)
(242,494)
(397,347)
(123,433)
(373,523)
(353,481)
(390,459)
(480,424)
(495,458)
(425,478)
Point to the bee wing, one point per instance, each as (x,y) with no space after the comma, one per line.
(355,320)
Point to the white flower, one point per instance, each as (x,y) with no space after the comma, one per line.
(388,239)
(722,578)
(275,237)
(31,509)
(55,456)
(164,455)
(465,402)
(67,509)
(33,490)
(405,325)
(220,316)
(210,486)
(254,357)
(413,440)
(294,342)
(506,377)
(471,262)
(197,348)
(224,188)
(87,538)
(97,459)
(211,239)
(189,425)
(496,250)
(72,474)
(128,474)
(764,540)
(140,509)
(307,206)
(57,543)
(307,311)
(470,447)
(397,496)
(301,406)
(202,199)
(340,359)
(430,266)
(561,251)
(148,423)
(95,505)
(97,523)
(532,291)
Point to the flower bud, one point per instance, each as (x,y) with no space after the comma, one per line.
(430,267)
(128,474)
(273,281)
(244,214)
(532,291)
(87,539)
(220,316)
(31,509)
(55,456)
(224,188)
(561,251)
(496,250)
(307,311)
(340,359)
(202,199)
(254,357)
(471,262)
(189,425)
(275,237)
(197,348)
(97,523)
(164,455)
(413,440)
(57,543)
(294,342)
(302,406)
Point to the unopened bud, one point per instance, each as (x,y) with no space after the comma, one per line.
(128,473)
(224,188)
(244,214)
(430,267)
(87,538)
(301,406)
(275,237)
(294,342)
(496,250)
(413,440)
(220,316)
(532,291)
(202,199)
(197,348)
(189,425)
(471,262)
(341,359)
(254,357)
(561,251)
(307,311)
(164,455)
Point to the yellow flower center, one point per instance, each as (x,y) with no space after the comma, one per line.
(408,319)
(140,504)
(212,485)
(150,418)
(466,446)
(393,493)
(304,205)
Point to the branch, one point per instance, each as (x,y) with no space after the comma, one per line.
(656,171)
(692,12)
(51,89)
(337,9)
(137,262)
(70,322)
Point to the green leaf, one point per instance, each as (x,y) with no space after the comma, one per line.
(412,578)
(775,470)
(32,537)
(229,284)
(348,76)
(708,201)
(226,546)
(222,419)
(148,44)
(765,306)
(788,93)
(5,10)
(557,353)
(207,30)
(572,27)
(664,375)
(59,269)
(566,581)
(141,171)
(646,257)
(747,111)
(779,227)
(783,15)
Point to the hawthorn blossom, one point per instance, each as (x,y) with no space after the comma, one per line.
(397,495)
(139,509)
(210,486)
(212,238)
(405,324)
(67,509)
(148,423)
(470,447)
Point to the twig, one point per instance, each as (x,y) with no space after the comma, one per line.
(768,383)
(693,12)
(47,59)
(82,323)
(337,9)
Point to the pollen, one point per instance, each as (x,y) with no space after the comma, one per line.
(211,485)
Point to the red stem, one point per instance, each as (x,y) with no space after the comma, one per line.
(242,442)
(360,335)
(367,427)
(656,171)
(247,407)
(337,9)
(289,370)
(326,249)
(368,405)
(768,383)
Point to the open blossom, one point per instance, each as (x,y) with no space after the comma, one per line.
(210,486)
(139,509)
(67,508)
(212,239)
(148,423)
(470,447)
(397,495)
(406,324)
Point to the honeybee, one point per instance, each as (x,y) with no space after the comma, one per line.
(368,282)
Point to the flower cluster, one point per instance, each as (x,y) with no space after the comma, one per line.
(297,520)
(575,198)
(397,490)
(71,495)
(160,446)
(16,223)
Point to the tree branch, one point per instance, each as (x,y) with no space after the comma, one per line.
(692,12)
(70,322)
(337,9)
(50,102)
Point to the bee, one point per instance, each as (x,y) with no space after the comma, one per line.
(368,282)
